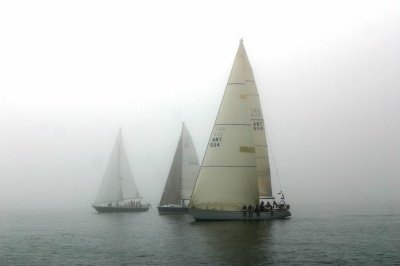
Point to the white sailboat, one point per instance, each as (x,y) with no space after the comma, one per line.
(235,174)
(182,176)
(118,191)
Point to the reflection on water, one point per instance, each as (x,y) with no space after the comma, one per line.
(221,242)
(235,242)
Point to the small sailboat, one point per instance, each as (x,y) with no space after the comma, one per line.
(118,191)
(181,177)
(234,177)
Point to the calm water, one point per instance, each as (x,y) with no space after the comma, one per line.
(87,238)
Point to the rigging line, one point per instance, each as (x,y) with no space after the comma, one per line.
(273,158)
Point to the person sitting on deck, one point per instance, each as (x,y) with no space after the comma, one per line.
(257,210)
(250,210)
(275,205)
(262,207)
(268,205)
(244,208)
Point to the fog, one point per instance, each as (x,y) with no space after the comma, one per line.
(73,73)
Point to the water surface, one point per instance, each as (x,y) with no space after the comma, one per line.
(84,237)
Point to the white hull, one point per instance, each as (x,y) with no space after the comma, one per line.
(121,208)
(218,215)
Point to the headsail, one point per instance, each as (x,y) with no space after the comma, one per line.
(183,171)
(118,183)
(129,188)
(189,165)
(228,175)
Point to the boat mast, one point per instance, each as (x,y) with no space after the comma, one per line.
(121,198)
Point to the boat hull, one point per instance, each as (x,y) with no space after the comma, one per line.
(218,215)
(172,209)
(102,209)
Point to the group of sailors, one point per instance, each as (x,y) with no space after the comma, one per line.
(133,204)
(250,210)
(138,204)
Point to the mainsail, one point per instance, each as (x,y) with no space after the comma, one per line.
(235,169)
(243,74)
(118,183)
(183,171)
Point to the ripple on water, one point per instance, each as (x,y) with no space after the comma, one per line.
(86,238)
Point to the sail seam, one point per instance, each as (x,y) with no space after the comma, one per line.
(232,124)
(228,166)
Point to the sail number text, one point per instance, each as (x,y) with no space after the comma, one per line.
(215,142)
(256,113)
(258,125)
(216,138)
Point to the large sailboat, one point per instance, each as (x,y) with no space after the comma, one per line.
(118,191)
(181,177)
(234,177)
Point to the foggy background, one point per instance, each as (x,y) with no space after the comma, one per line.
(72,73)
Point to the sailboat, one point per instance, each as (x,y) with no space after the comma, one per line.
(118,191)
(234,177)
(182,176)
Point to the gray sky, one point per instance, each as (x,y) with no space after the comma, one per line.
(72,73)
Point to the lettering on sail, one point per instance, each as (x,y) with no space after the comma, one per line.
(258,125)
(216,137)
(256,116)
(256,113)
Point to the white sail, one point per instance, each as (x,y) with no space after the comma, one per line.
(228,175)
(118,183)
(183,171)
(129,188)
(189,164)
(242,73)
